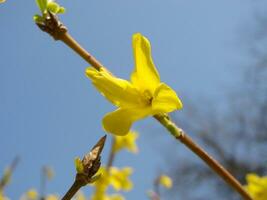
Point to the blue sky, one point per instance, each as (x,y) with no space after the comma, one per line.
(49,111)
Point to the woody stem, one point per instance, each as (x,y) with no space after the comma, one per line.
(72,190)
(74,45)
(180,135)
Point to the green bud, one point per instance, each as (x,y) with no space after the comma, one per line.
(61,10)
(53,7)
(38,19)
(79,165)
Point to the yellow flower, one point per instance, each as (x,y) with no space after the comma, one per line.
(115,197)
(257,186)
(165,181)
(120,178)
(125,142)
(117,178)
(32,194)
(2,1)
(49,173)
(51,197)
(143,96)
(103,182)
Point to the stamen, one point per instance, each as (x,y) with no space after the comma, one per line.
(148,96)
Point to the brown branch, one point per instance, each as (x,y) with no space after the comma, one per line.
(180,135)
(73,44)
(73,190)
(58,31)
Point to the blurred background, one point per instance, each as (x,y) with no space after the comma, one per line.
(213,53)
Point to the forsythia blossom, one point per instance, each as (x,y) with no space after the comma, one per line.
(125,142)
(31,194)
(143,96)
(120,178)
(52,197)
(257,186)
(117,178)
(165,181)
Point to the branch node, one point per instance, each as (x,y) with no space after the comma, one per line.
(52,26)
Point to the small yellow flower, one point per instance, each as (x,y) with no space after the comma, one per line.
(117,178)
(32,194)
(2,1)
(49,173)
(165,181)
(52,197)
(143,96)
(257,186)
(115,197)
(120,178)
(126,142)
(103,182)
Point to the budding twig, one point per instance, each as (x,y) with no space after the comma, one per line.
(90,165)
(59,32)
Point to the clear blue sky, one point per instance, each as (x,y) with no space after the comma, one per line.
(49,111)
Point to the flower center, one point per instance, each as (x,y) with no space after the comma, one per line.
(148,97)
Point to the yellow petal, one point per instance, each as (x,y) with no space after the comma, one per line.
(145,75)
(165,100)
(120,121)
(120,178)
(116,197)
(125,142)
(257,186)
(118,91)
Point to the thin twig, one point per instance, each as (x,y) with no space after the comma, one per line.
(111,156)
(58,31)
(90,164)
(73,44)
(180,135)
(73,190)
